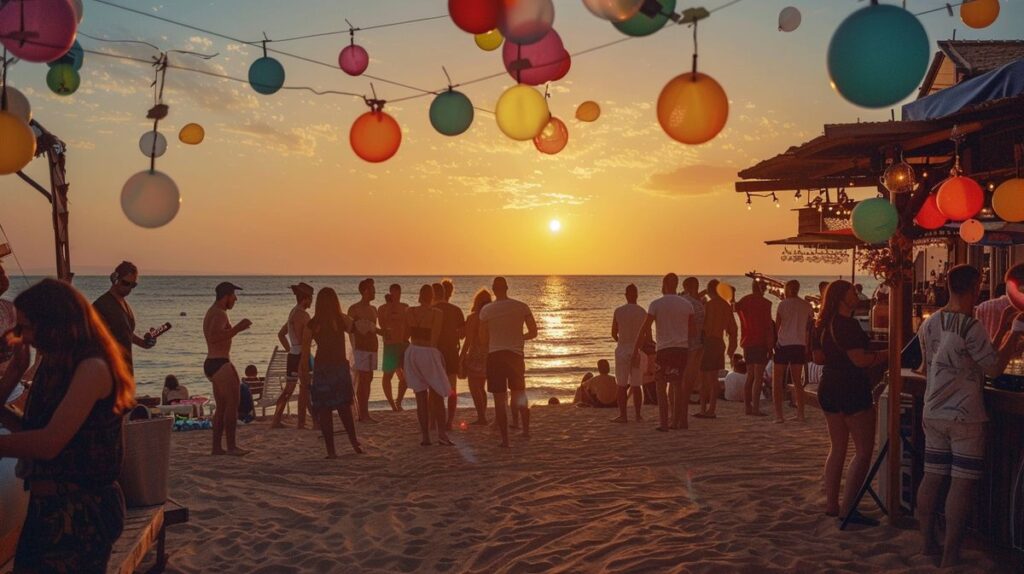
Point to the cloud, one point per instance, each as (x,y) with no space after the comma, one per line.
(691,181)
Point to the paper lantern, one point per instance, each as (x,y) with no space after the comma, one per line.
(451,113)
(525,21)
(960,198)
(37,30)
(18,104)
(522,112)
(153,144)
(588,111)
(192,134)
(489,41)
(692,110)
(63,80)
(929,216)
(979,13)
(353,59)
(878,56)
(1008,200)
(874,220)
(899,177)
(789,19)
(375,136)
(544,61)
(553,138)
(614,10)
(266,75)
(645,24)
(150,199)
(475,16)
(17,143)
(75,56)
(725,291)
(79,12)
(972,231)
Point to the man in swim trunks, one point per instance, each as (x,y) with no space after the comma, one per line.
(757,337)
(453,330)
(290,336)
(626,322)
(364,345)
(391,317)
(219,332)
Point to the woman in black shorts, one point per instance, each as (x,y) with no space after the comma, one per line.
(845,395)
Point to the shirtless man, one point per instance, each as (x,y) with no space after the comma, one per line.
(391,317)
(364,345)
(218,368)
(290,336)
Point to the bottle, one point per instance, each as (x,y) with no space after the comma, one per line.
(157,331)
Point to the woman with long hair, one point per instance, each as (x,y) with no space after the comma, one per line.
(71,434)
(845,396)
(424,367)
(474,357)
(331,387)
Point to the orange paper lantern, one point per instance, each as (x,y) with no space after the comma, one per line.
(553,137)
(972,231)
(1008,200)
(588,111)
(929,217)
(375,136)
(692,109)
(979,13)
(960,198)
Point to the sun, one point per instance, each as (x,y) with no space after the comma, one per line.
(555,225)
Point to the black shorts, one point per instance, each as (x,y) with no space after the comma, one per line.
(844,391)
(791,355)
(293,368)
(756,355)
(450,356)
(671,363)
(506,371)
(713,358)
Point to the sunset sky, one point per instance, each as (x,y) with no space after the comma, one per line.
(276,189)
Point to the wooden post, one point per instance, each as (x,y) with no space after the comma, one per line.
(900,308)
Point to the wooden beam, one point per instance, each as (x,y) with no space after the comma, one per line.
(941,135)
(795,183)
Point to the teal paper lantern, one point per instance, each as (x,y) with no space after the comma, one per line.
(874,220)
(878,56)
(642,24)
(451,113)
(63,80)
(266,75)
(75,56)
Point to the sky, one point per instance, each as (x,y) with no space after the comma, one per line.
(276,189)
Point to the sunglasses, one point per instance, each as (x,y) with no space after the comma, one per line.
(129,284)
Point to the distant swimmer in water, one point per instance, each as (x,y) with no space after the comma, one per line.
(218,368)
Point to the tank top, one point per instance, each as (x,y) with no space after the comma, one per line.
(294,340)
(330,344)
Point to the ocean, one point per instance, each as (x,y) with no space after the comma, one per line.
(573,315)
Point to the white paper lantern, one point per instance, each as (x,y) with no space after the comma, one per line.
(150,199)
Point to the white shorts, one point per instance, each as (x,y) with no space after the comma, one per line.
(364,361)
(627,373)
(424,368)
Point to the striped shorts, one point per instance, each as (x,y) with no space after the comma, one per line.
(954,448)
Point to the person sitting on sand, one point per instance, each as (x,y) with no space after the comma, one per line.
(600,391)
(736,380)
(173,391)
(580,398)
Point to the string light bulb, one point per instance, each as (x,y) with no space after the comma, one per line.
(775,199)
(749,207)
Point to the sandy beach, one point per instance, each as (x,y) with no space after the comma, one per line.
(584,495)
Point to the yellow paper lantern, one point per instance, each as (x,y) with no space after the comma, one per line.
(588,111)
(192,134)
(17,143)
(1008,200)
(725,291)
(489,41)
(692,109)
(979,13)
(522,112)
(972,231)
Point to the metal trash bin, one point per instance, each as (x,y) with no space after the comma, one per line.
(147,457)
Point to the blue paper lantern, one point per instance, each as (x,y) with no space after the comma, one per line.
(451,113)
(874,220)
(266,75)
(878,56)
(74,56)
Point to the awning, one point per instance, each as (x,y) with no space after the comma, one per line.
(1001,83)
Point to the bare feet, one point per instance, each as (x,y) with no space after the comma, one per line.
(277,426)
(358,449)
(218,452)
(620,420)
(661,429)
(757,414)
(238,451)
(425,443)
(331,455)
(445,441)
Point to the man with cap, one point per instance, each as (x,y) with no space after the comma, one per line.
(290,336)
(117,314)
(218,368)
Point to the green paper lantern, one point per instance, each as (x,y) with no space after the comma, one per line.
(451,113)
(874,220)
(643,25)
(266,75)
(63,80)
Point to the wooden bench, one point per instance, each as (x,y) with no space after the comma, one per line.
(142,527)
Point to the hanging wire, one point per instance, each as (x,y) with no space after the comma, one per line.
(351,29)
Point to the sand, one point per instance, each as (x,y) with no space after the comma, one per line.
(584,495)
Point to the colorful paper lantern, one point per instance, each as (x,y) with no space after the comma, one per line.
(645,24)
(874,220)
(929,216)
(525,21)
(79,12)
(17,143)
(725,291)
(878,56)
(588,111)
(451,113)
(789,19)
(37,30)
(153,144)
(899,177)
(544,61)
(150,199)
(522,112)
(475,16)
(192,134)
(960,198)
(979,13)
(63,79)
(553,138)
(266,75)
(692,109)
(75,56)
(18,104)
(375,136)
(972,231)
(353,59)
(489,41)
(614,10)
(1008,200)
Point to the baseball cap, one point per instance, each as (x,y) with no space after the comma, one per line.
(302,289)
(226,288)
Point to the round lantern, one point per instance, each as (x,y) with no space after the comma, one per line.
(37,30)
(475,16)
(525,21)
(150,199)
(789,19)
(642,24)
(692,109)
(972,231)
(979,13)
(538,63)
(153,144)
(375,136)
(266,75)
(725,291)
(489,41)
(899,178)
(75,56)
(553,138)
(960,198)
(192,134)
(63,80)
(878,56)
(18,104)
(614,10)
(17,143)
(451,113)
(353,59)
(874,220)
(588,111)
(522,112)
(79,12)
(1008,200)
(929,217)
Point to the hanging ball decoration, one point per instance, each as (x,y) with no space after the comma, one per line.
(18,104)
(1008,200)
(489,41)
(353,59)
(692,110)
(63,80)
(725,291)
(17,143)
(192,134)
(522,112)
(150,199)
(525,21)
(929,216)
(375,136)
(979,13)
(614,10)
(153,144)
(553,138)
(789,19)
(588,111)
(75,56)
(960,198)
(451,113)
(972,231)
(544,61)
(475,16)
(878,56)
(37,30)
(642,24)
(874,220)
(266,75)
(899,178)
(79,12)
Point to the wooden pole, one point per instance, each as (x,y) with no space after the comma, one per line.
(899,310)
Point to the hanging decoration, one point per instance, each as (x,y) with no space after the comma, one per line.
(475,16)
(18,104)
(192,134)
(899,177)
(693,107)
(17,143)
(525,21)
(539,63)
(725,291)
(153,144)
(878,55)
(929,216)
(874,220)
(375,135)
(150,199)
(789,19)
(553,138)
(74,56)
(979,13)
(972,231)
(266,75)
(1008,200)
(79,12)
(588,111)
(489,41)
(960,197)
(522,112)
(353,59)
(63,79)
(37,30)
(652,16)
(614,10)
(451,112)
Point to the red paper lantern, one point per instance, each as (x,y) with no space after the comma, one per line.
(475,16)
(552,138)
(534,64)
(929,217)
(960,198)
(375,136)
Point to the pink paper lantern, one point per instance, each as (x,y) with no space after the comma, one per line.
(38,30)
(525,21)
(537,63)
(353,60)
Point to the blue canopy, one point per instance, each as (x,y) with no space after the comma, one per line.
(1004,82)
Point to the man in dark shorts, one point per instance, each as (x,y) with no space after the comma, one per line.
(757,339)
(719,321)
(391,317)
(290,336)
(793,318)
(222,374)
(117,314)
(453,330)
(673,319)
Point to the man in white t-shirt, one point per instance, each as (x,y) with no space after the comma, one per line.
(502,323)
(957,356)
(792,324)
(672,317)
(626,323)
